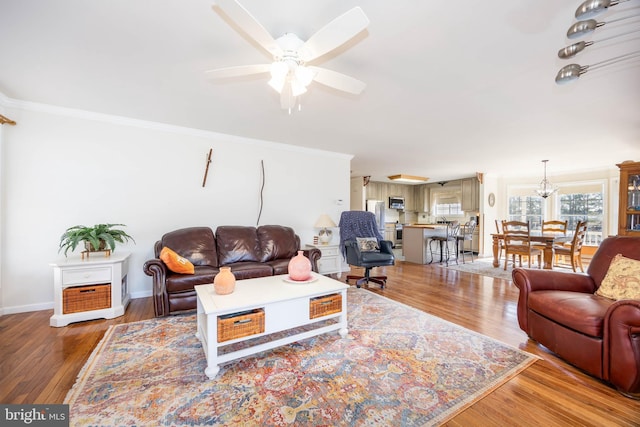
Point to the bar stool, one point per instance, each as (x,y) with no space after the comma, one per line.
(448,243)
(465,235)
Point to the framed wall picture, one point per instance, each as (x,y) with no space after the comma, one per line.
(492,199)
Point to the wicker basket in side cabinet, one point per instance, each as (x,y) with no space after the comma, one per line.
(85,298)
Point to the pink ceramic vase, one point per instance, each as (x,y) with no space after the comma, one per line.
(299,267)
(225,282)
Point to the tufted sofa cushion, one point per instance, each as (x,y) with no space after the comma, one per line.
(277,242)
(194,243)
(237,244)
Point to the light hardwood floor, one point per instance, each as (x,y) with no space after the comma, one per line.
(39,363)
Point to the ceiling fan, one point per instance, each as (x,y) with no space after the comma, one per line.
(290,74)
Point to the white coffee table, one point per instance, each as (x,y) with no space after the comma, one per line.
(284,305)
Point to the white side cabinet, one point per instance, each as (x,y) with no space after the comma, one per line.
(331,260)
(91,288)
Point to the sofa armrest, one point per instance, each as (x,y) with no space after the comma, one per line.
(530,280)
(314,254)
(352,252)
(621,346)
(158,271)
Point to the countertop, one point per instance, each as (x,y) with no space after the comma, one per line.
(429,226)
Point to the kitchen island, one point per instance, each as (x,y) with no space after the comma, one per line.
(415,241)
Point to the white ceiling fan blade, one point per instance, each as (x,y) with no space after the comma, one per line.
(240,70)
(334,34)
(250,25)
(338,80)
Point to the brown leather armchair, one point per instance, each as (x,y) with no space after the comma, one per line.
(598,335)
(250,252)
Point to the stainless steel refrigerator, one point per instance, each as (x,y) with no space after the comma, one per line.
(377,207)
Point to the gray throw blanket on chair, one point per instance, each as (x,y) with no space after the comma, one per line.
(357,224)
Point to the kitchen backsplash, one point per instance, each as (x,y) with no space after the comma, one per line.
(402,217)
(392,215)
(408,217)
(427,218)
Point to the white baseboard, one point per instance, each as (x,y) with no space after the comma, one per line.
(26,308)
(141,294)
(49,305)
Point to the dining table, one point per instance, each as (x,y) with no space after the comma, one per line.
(548,239)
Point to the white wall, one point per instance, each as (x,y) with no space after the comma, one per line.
(64,167)
(489,214)
(2,127)
(357,194)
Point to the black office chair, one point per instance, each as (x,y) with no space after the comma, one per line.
(362,246)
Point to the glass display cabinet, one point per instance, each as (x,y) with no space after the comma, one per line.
(629,209)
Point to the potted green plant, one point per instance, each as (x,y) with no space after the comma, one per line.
(96,238)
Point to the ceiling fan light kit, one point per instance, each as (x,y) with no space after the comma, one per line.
(290,74)
(586,25)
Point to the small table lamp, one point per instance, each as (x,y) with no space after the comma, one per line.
(325,223)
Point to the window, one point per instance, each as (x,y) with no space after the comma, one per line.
(580,206)
(447,209)
(446,202)
(526,208)
(576,201)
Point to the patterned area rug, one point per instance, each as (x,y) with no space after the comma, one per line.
(398,367)
(483,266)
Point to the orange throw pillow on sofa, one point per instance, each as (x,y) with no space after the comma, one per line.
(175,262)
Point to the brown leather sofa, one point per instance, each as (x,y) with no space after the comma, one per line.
(598,335)
(250,252)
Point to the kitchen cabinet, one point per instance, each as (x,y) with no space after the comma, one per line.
(394,190)
(629,201)
(406,191)
(415,207)
(373,191)
(421,195)
(417,197)
(470,195)
(390,233)
(413,198)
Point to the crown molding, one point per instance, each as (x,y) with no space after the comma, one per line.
(157,126)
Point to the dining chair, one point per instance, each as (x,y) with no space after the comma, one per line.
(517,241)
(574,252)
(465,234)
(554,227)
(500,241)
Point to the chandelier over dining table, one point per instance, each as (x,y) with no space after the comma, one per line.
(545,189)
